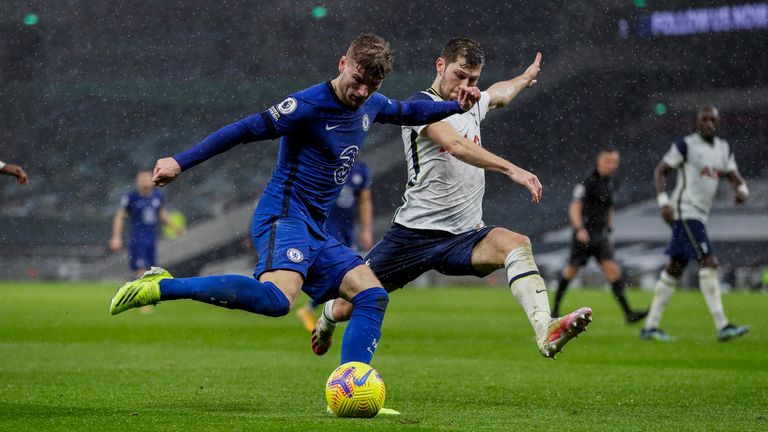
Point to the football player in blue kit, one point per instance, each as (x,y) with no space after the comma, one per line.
(322,130)
(353,208)
(144,206)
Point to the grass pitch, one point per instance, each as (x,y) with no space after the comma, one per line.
(452,359)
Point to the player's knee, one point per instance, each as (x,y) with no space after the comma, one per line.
(510,240)
(518,240)
(371,298)
(708,262)
(279,304)
(675,269)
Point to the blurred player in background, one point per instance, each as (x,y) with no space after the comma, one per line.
(14,171)
(322,130)
(440,224)
(591,216)
(353,204)
(144,206)
(700,160)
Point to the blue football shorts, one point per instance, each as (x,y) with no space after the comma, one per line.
(404,254)
(288,243)
(142,256)
(689,241)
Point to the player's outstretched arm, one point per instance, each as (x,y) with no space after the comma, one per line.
(254,128)
(15,171)
(503,92)
(421,112)
(465,150)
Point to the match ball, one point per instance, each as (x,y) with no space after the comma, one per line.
(355,389)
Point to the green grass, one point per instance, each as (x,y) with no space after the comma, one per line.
(453,359)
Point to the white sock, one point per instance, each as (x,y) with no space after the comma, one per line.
(528,288)
(665,286)
(326,323)
(709,283)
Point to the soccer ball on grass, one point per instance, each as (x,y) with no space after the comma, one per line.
(355,389)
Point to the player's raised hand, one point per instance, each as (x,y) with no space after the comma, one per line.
(115,244)
(668,214)
(740,197)
(166,171)
(529,181)
(21,176)
(533,70)
(468,97)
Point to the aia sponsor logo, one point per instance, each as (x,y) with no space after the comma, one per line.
(709,172)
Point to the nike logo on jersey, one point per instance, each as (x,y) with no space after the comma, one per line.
(541,291)
(329,127)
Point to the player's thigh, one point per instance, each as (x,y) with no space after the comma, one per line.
(489,253)
(282,243)
(402,255)
(331,264)
(287,281)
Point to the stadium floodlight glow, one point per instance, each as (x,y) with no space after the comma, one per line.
(31,19)
(319,12)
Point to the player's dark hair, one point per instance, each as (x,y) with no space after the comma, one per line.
(373,55)
(607,149)
(463,48)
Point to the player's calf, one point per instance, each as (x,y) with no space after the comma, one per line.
(322,334)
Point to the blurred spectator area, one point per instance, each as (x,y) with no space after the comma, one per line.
(94,91)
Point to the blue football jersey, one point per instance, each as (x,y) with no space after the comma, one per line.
(144,212)
(343,215)
(321,140)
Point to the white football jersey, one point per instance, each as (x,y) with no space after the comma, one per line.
(443,193)
(699,166)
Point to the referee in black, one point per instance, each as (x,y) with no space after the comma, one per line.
(591,216)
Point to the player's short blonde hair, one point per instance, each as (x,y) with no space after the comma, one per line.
(372,55)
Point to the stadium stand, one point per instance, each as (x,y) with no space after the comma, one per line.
(103,89)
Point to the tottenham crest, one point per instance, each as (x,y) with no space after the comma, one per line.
(287,106)
(295,255)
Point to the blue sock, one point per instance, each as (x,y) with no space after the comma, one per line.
(364,328)
(229,291)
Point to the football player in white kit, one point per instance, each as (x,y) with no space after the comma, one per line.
(700,160)
(440,224)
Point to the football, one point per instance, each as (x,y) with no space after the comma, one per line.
(355,389)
